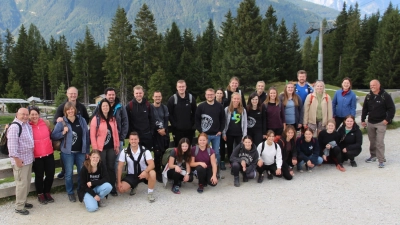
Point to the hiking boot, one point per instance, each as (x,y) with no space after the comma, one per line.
(175,189)
(22,211)
(245,179)
(200,189)
(48,197)
(61,175)
(236,182)
(102,203)
(42,200)
(28,206)
(353,163)
(370,159)
(114,193)
(72,198)
(381,165)
(260,178)
(223,167)
(133,191)
(150,197)
(340,167)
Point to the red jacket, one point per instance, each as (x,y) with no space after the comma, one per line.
(41,137)
(98,142)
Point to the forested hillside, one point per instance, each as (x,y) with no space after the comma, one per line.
(70,18)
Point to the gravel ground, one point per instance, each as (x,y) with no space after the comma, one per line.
(361,195)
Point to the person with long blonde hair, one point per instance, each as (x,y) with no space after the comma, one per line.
(235,123)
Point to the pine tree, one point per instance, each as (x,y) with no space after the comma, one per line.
(249,55)
(308,60)
(120,54)
(283,57)
(60,96)
(269,45)
(384,64)
(13,90)
(41,68)
(20,60)
(148,46)
(159,82)
(3,78)
(295,54)
(207,47)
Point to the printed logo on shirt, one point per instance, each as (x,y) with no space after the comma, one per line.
(311,147)
(206,122)
(74,137)
(94,176)
(235,117)
(160,124)
(251,122)
(246,157)
(108,137)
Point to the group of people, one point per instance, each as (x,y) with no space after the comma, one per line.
(262,135)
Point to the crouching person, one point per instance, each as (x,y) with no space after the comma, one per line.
(95,183)
(244,158)
(140,166)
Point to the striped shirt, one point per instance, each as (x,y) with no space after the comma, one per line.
(20,147)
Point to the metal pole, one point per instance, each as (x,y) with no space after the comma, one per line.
(320,53)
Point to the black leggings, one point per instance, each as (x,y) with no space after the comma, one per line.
(204,175)
(229,143)
(256,135)
(222,149)
(336,155)
(108,157)
(350,154)
(171,174)
(271,168)
(44,166)
(286,171)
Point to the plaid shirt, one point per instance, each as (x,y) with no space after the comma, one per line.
(20,147)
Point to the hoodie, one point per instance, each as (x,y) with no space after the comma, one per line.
(182,114)
(140,116)
(249,156)
(307,149)
(97,178)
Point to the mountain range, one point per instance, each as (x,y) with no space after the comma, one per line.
(366,6)
(71,17)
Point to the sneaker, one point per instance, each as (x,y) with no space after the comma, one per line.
(370,159)
(300,170)
(150,197)
(133,191)
(340,167)
(175,189)
(200,189)
(269,176)
(28,206)
(223,167)
(353,163)
(245,178)
(22,211)
(42,200)
(159,178)
(114,193)
(102,203)
(236,182)
(381,165)
(72,198)
(48,197)
(60,175)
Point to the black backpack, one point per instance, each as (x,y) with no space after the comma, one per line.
(136,163)
(3,142)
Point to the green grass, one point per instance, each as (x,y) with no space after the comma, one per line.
(6,119)
(396,100)
(397,112)
(392,126)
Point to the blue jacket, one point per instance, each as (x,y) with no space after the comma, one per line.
(344,105)
(57,135)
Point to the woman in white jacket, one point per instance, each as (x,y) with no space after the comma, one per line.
(271,156)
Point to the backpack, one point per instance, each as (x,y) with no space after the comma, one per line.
(176,98)
(312,97)
(3,140)
(263,145)
(226,93)
(136,165)
(131,106)
(196,151)
(166,155)
(368,96)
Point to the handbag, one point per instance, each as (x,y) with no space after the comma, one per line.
(57,143)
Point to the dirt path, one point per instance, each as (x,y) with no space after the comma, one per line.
(361,195)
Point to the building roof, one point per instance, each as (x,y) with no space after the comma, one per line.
(36,99)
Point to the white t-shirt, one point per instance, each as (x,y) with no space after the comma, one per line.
(142,163)
(269,153)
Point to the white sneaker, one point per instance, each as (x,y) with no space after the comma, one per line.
(102,203)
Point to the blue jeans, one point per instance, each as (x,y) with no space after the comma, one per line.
(301,163)
(215,140)
(121,146)
(69,161)
(102,190)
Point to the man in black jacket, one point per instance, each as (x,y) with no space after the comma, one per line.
(140,117)
(182,108)
(380,108)
(72,96)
